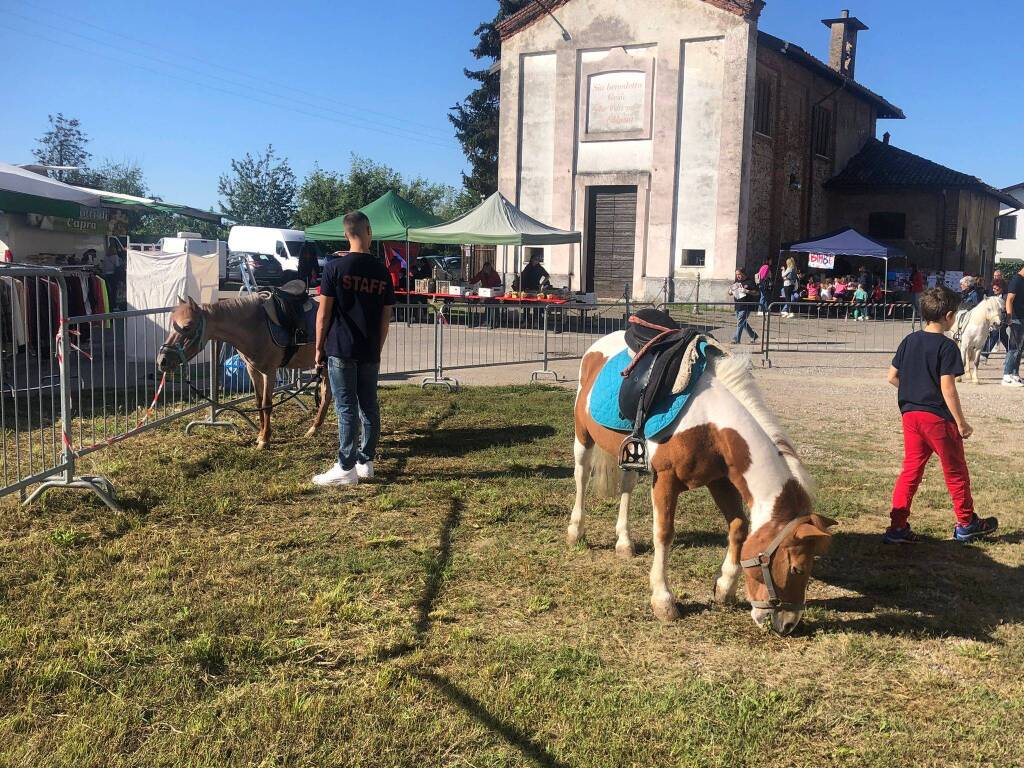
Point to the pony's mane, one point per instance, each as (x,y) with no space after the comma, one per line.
(733,371)
(218,310)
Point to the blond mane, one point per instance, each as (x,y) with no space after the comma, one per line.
(733,372)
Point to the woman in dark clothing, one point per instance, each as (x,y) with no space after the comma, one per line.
(309,267)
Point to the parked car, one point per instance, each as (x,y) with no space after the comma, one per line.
(265,268)
(449,265)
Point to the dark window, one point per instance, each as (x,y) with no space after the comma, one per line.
(821,131)
(764,105)
(693,257)
(887,225)
(1006,228)
(534,251)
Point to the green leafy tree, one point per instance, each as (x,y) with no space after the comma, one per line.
(64,145)
(321,197)
(259,191)
(126,177)
(476,118)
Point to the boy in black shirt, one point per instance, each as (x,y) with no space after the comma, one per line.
(356,296)
(924,370)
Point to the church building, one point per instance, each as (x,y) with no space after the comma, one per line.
(684,142)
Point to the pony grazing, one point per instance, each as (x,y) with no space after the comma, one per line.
(972,330)
(242,323)
(727,441)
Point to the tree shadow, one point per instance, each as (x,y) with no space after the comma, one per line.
(933,589)
(524,742)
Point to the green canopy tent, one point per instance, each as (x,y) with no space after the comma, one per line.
(496,221)
(391,216)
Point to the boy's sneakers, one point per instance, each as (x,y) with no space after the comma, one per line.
(365,471)
(1012,381)
(901,536)
(980,526)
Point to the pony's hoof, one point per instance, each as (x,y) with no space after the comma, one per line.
(261,445)
(625,550)
(311,431)
(665,608)
(722,596)
(572,536)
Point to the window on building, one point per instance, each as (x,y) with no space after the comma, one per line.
(532,251)
(821,131)
(887,225)
(1006,228)
(764,105)
(693,257)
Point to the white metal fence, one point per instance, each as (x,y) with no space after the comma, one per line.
(72,385)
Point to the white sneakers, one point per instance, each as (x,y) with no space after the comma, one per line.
(1012,381)
(786,314)
(338,476)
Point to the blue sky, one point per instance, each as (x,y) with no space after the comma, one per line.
(183,87)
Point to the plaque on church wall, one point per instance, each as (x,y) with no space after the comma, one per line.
(616,96)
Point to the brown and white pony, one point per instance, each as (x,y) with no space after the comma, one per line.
(242,323)
(728,442)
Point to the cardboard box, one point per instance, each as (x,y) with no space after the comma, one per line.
(490,293)
(462,290)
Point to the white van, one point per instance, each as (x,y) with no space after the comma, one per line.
(282,244)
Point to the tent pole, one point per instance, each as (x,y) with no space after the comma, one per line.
(408,276)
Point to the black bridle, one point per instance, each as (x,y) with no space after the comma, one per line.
(186,341)
(764,562)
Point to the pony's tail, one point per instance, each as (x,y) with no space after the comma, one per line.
(605,475)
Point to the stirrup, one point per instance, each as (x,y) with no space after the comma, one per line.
(633,454)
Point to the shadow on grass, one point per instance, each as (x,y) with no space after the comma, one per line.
(530,747)
(934,589)
(459,441)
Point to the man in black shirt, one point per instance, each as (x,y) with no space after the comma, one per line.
(533,274)
(356,296)
(1015,321)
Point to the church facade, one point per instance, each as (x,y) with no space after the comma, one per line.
(683,142)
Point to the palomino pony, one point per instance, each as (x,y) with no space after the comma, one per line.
(727,441)
(242,323)
(972,329)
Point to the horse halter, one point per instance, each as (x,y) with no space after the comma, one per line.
(180,350)
(764,562)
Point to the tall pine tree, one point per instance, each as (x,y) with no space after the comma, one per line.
(64,148)
(476,118)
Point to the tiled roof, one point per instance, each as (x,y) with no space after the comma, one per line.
(819,67)
(883,165)
(748,9)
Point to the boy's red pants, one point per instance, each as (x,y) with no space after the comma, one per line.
(924,434)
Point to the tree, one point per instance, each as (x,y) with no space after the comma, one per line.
(259,191)
(476,118)
(321,197)
(64,145)
(125,178)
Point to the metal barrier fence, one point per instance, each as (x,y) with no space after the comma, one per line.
(70,386)
(846,328)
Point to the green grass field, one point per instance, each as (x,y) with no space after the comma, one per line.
(233,615)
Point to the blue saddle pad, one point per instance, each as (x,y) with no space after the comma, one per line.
(283,339)
(604,397)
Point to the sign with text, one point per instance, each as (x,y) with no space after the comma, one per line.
(616,102)
(821,261)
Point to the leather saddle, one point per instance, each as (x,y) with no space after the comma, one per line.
(291,317)
(658,345)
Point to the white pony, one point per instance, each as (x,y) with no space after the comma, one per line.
(729,442)
(972,329)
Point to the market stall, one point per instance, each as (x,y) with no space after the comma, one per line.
(496,221)
(846,242)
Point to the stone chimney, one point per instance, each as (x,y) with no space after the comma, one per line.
(842,50)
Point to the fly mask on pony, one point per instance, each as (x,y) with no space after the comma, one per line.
(777,571)
(186,337)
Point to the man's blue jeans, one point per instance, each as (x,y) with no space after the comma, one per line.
(1012,365)
(742,313)
(354,386)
